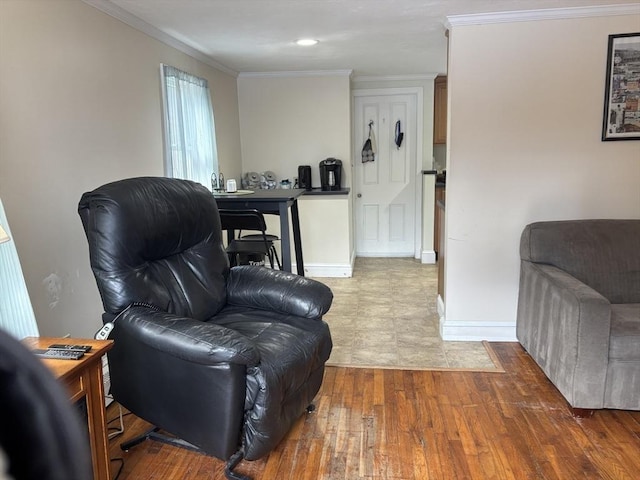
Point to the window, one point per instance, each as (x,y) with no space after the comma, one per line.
(190,144)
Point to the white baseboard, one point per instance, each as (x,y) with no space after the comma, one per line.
(474,331)
(428,256)
(477,331)
(387,255)
(327,271)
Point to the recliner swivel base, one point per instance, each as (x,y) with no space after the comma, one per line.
(154,434)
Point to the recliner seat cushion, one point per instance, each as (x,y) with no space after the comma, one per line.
(293,351)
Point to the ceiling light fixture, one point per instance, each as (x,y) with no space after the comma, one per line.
(306,42)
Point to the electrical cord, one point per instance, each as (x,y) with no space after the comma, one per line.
(115,432)
(118,418)
(121,460)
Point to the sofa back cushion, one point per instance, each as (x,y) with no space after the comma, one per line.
(604,254)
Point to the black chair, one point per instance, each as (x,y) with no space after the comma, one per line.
(40,433)
(226,360)
(271,238)
(260,244)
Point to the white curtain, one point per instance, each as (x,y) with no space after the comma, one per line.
(190,143)
(16,313)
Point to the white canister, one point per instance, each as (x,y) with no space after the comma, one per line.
(231,185)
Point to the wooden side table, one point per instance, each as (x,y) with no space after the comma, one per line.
(83,379)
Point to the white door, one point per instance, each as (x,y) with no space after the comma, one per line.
(385,189)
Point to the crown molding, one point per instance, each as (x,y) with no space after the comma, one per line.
(544,14)
(302,73)
(394,78)
(118,13)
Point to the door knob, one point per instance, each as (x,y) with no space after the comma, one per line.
(359,195)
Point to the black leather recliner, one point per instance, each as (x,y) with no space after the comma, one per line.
(225,359)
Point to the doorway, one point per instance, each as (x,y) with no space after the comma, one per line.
(386,202)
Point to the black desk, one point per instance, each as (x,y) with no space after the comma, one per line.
(275,202)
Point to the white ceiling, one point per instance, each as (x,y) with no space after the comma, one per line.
(369,37)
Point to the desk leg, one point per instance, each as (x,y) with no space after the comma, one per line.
(285,238)
(297,240)
(97,424)
(231,235)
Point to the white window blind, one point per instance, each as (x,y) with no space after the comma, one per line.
(190,143)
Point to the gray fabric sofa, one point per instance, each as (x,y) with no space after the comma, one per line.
(579,309)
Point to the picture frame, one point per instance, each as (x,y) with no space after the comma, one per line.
(621,118)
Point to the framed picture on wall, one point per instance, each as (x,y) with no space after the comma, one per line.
(622,92)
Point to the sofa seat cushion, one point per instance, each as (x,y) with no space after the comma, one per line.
(624,342)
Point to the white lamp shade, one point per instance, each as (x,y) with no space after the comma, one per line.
(3,235)
(16,312)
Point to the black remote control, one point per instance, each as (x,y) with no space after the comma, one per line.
(59,354)
(65,346)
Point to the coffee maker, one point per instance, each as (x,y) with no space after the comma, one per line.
(330,174)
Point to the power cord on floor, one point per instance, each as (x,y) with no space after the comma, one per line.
(120,430)
(121,460)
(115,431)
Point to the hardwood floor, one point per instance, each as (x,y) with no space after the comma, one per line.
(417,425)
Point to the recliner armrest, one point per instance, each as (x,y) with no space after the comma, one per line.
(275,290)
(187,338)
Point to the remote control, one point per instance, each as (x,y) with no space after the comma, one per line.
(59,354)
(104,332)
(65,346)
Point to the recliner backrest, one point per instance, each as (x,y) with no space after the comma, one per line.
(603,254)
(156,240)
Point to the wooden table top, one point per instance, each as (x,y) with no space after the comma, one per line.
(65,368)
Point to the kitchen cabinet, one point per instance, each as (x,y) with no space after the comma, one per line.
(440,110)
(327,235)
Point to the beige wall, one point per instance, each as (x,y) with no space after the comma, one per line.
(526,105)
(80,106)
(292,120)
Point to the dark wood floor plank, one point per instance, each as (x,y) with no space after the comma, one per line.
(423,425)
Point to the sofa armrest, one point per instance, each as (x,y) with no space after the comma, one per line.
(564,325)
(275,290)
(186,338)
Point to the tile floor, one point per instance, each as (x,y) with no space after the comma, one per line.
(386,316)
